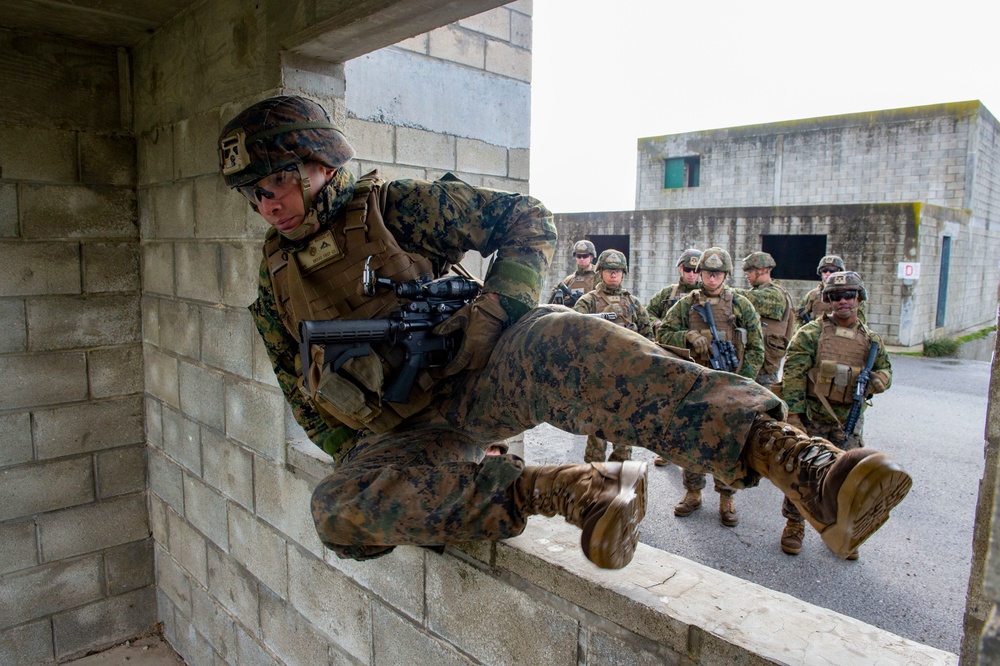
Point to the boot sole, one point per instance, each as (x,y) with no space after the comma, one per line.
(871,490)
(611,540)
(684,513)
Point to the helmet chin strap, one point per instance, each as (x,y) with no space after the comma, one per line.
(310,223)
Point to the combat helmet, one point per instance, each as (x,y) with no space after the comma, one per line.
(845,281)
(689,258)
(758,260)
(584,247)
(715,259)
(831,260)
(612,260)
(276,134)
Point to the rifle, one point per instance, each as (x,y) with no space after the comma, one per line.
(430,303)
(802,315)
(721,354)
(562,295)
(860,389)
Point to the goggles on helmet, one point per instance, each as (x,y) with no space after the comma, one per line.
(274,186)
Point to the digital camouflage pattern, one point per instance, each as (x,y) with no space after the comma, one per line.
(662,301)
(429,484)
(801,357)
(675,325)
(635,317)
(767,299)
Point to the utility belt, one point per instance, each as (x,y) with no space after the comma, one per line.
(832,383)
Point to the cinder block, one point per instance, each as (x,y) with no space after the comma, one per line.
(32,269)
(18,547)
(263,371)
(14,338)
(158,268)
(206,510)
(89,427)
(28,644)
(173,210)
(545,635)
(107,159)
(110,267)
(250,651)
(93,527)
(182,439)
(155,151)
(240,268)
(371,141)
(104,623)
(215,624)
(166,480)
(233,587)
(121,471)
(218,211)
(161,376)
(188,548)
(289,634)
(605,650)
(332,603)
(197,271)
(129,567)
(416,44)
(38,487)
(228,467)
(116,371)
(518,160)
(283,500)
(15,433)
(158,519)
(397,641)
(180,327)
(397,578)
(19,146)
(8,211)
(190,644)
(480,157)
(201,394)
(254,417)
(69,321)
(428,149)
(494,22)
(227,340)
(69,211)
(457,45)
(173,581)
(260,549)
(34,593)
(520,30)
(195,146)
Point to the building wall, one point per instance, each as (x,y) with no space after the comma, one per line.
(943,155)
(872,239)
(76,560)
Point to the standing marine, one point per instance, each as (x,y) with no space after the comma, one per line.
(579,282)
(687,281)
(777,315)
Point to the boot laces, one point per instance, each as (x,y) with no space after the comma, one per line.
(810,454)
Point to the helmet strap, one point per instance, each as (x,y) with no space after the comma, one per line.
(310,223)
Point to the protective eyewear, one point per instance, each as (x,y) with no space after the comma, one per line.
(835,296)
(275,186)
(582,256)
(689,270)
(828,270)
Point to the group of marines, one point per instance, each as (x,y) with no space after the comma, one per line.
(821,346)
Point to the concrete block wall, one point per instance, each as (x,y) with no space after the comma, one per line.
(76,557)
(871,238)
(943,155)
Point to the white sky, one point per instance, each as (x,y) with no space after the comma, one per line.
(607,73)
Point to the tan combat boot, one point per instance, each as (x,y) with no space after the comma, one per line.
(688,505)
(845,495)
(660,461)
(606,500)
(792,535)
(727,511)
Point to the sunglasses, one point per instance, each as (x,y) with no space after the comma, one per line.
(275,186)
(828,270)
(689,270)
(835,296)
(582,256)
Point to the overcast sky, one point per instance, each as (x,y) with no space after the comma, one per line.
(607,73)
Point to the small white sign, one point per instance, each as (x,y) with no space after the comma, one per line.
(908,270)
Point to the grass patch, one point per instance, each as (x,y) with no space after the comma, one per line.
(941,347)
(978,334)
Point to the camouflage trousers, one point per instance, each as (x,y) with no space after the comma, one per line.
(596,451)
(427,483)
(696,481)
(835,434)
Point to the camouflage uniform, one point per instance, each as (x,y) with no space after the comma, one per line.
(632,316)
(772,302)
(665,299)
(583,281)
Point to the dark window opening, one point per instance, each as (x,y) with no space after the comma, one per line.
(680,172)
(942,299)
(620,243)
(796,256)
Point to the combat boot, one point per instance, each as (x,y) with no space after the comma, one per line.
(660,461)
(606,500)
(792,535)
(727,511)
(688,505)
(845,495)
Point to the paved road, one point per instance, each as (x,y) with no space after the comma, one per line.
(912,576)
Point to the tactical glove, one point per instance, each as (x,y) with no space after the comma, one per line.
(878,382)
(482,320)
(697,342)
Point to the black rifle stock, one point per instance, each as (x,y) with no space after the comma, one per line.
(721,353)
(562,295)
(860,389)
(430,303)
